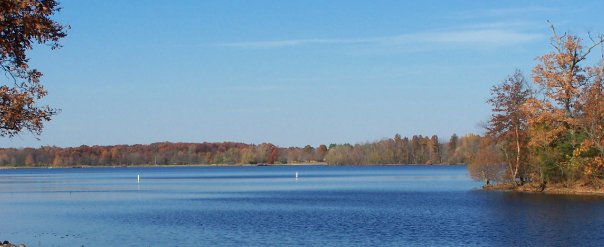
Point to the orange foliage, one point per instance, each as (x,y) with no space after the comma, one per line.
(23,24)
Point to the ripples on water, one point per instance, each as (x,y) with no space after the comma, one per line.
(259,206)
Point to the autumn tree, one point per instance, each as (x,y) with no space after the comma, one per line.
(248,156)
(417,151)
(487,164)
(591,151)
(507,127)
(467,148)
(321,152)
(451,147)
(273,155)
(405,148)
(554,120)
(398,148)
(434,150)
(307,153)
(24,24)
(29,160)
(342,155)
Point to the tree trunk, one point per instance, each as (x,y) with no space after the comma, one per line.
(515,172)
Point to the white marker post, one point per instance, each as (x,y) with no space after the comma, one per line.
(138,178)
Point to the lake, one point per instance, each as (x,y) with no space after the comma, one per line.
(268,205)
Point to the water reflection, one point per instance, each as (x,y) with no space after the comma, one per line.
(521,219)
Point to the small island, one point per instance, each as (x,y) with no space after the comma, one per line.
(547,135)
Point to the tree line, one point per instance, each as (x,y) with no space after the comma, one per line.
(398,150)
(549,129)
(402,150)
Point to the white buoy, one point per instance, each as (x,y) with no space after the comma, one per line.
(138,178)
(296,175)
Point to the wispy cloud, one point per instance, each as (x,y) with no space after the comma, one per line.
(504,12)
(485,37)
(506,25)
(296,42)
(520,10)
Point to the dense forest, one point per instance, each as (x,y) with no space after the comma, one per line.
(550,129)
(397,150)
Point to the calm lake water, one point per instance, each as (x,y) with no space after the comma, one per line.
(260,206)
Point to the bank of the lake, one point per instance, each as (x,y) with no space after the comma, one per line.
(7,243)
(577,188)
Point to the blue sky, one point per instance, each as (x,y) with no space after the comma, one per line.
(287,72)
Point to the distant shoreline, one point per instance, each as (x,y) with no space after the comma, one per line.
(212,165)
(147,165)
